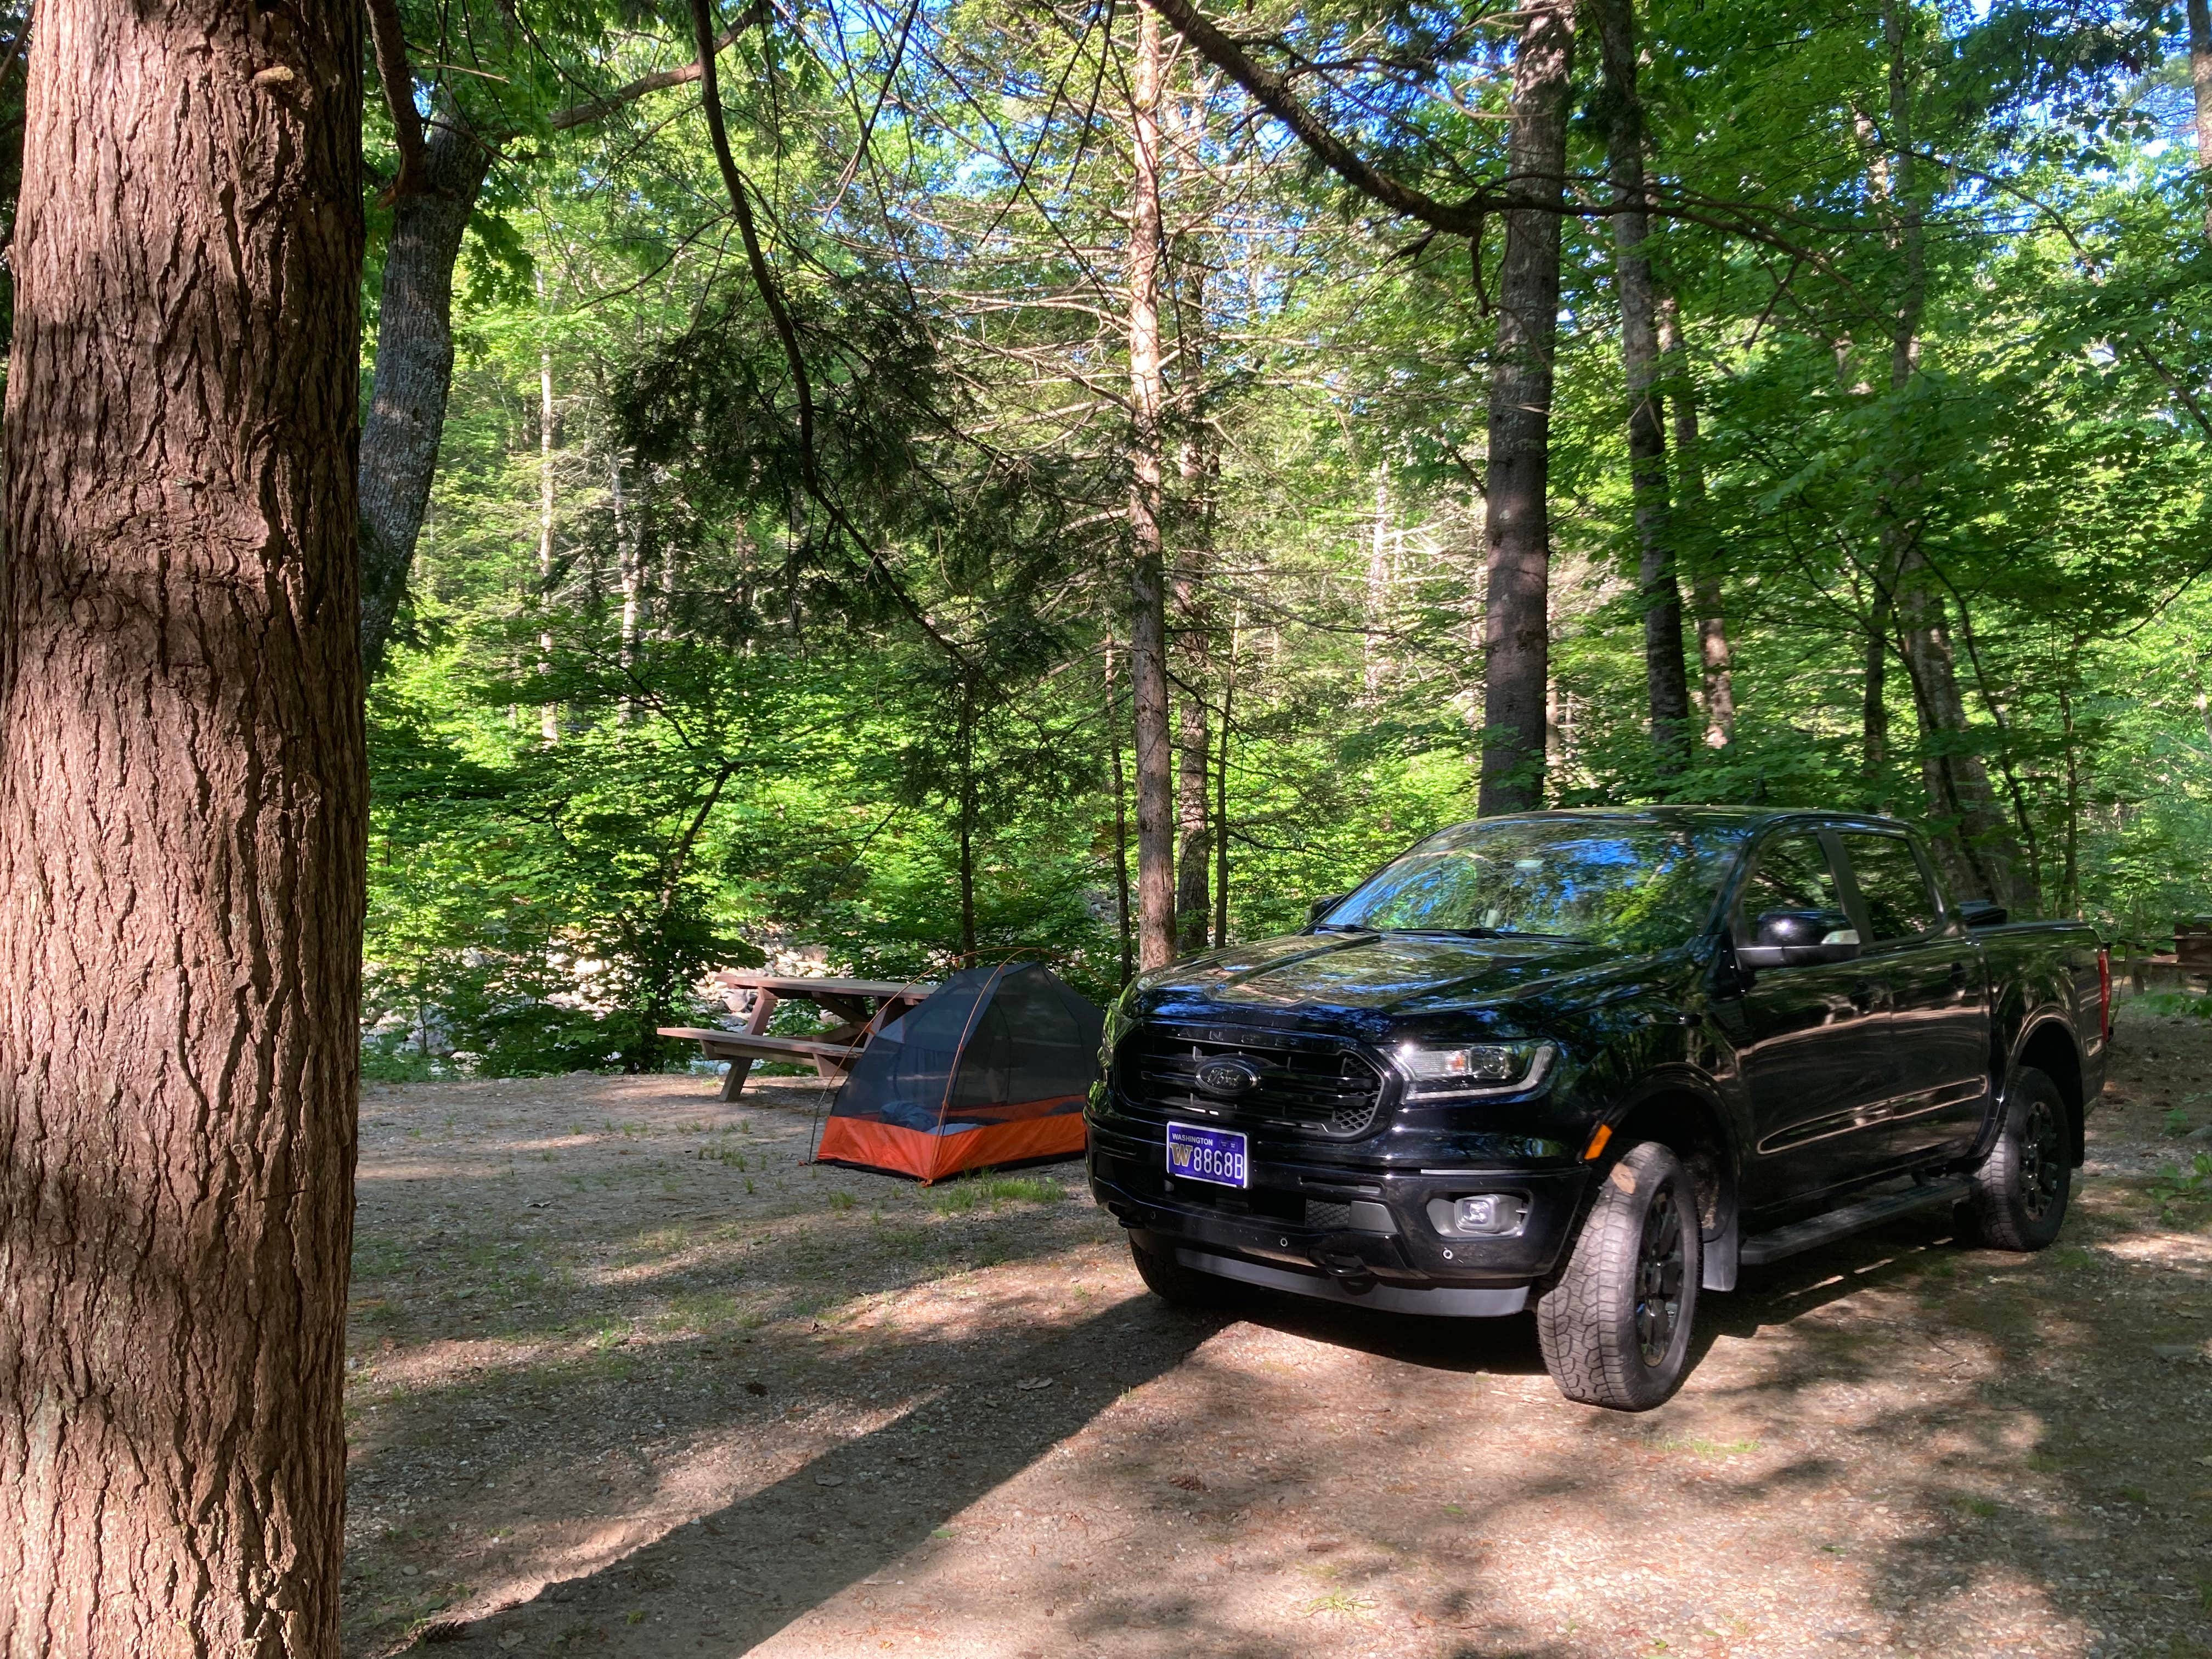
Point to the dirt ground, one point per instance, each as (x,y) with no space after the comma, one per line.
(628,1376)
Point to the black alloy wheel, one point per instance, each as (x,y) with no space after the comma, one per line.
(2042,1161)
(1660,1265)
(2021,1188)
(1615,1327)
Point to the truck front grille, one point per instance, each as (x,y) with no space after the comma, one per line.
(1317,1085)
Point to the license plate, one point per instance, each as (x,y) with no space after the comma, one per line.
(1211,1155)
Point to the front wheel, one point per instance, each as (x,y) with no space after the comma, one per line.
(2019,1201)
(1615,1329)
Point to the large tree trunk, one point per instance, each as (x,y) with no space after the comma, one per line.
(1693,532)
(1666,682)
(413,368)
(1970,833)
(1516,642)
(1148,668)
(182,794)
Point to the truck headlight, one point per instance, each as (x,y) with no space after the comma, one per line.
(1487,1068)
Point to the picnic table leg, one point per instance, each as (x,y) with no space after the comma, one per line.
(734,1079)
(765,1003)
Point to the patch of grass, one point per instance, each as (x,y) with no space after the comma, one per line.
(2177,1122)
(987,1191)
(2173,1005)
(2186,1184)
(1981,1507)
(382,1064)
(1339,1604)
(701,1310)
(1702,1448)
(841,1201)
(2135,1494)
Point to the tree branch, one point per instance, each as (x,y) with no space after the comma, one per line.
(398,79)
(787,332)
(1272,93)
(598,109)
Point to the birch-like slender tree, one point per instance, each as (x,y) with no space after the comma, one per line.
(1148,668)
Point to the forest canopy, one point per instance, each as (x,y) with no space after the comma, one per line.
(1047,485)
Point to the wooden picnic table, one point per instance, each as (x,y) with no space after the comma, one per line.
(862,1007)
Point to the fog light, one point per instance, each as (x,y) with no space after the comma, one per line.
(1481,1215)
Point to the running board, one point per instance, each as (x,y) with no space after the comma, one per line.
(1763,1248)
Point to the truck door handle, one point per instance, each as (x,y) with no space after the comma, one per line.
(1864,995)
(1958,975)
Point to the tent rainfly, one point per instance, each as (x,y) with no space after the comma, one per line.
(993,1068)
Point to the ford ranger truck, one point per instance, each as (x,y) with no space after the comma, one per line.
(1595,1062)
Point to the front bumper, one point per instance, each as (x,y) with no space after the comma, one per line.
(1358,1234)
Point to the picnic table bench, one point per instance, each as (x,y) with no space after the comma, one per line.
(862,1006)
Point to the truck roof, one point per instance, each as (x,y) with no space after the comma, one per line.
(1707,817)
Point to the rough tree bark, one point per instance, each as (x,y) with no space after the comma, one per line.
(1693,532)
(183,798)
(413,365)
(1667,686)
(1148,675)
(1517,644)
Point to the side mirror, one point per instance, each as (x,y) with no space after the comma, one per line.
(1322,906)
(1790,939)
(1980,912)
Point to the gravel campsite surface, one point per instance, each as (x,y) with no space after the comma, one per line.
(628,1376)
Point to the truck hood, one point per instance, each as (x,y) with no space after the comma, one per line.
(1387,973)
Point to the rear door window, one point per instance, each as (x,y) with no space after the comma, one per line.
(1900,903)
(1791,873)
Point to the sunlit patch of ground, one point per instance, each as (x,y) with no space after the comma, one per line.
(628,1376)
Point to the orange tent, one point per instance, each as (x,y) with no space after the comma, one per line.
(993,1068)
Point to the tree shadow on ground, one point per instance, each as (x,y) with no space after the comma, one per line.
(735,1576)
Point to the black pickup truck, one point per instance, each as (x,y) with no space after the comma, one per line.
(1596,1061)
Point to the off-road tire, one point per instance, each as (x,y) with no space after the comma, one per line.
(1595,1346)
(2020,1189)
(1173,1283)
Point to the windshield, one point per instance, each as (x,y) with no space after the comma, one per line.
(1639,886)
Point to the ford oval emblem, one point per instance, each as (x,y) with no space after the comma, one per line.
(1228,1076)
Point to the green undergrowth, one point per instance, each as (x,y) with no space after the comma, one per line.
(987,1191)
